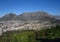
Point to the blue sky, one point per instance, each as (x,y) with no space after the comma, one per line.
(20,6)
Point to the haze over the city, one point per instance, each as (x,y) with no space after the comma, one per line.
(20,6)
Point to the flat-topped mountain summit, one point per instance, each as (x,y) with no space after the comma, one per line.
(35,16)
(41,16)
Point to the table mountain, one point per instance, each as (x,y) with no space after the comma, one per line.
(28,16)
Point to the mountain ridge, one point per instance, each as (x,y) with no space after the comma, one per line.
(27,16)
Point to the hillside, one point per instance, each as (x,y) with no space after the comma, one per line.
(57,17)
(47,35)
(9,17)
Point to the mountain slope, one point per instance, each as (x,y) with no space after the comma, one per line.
(9,17)
(57,17)
(41,16)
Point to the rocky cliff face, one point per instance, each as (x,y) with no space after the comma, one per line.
(41,16)
(9,17)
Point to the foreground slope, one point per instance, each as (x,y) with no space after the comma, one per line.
(31,35)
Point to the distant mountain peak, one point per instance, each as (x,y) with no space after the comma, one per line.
(38,15)
(10,16)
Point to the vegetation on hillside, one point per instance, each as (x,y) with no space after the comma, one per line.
(31,35)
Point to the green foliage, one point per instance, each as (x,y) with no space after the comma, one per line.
(23,36)
(50,33)
(30,36)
